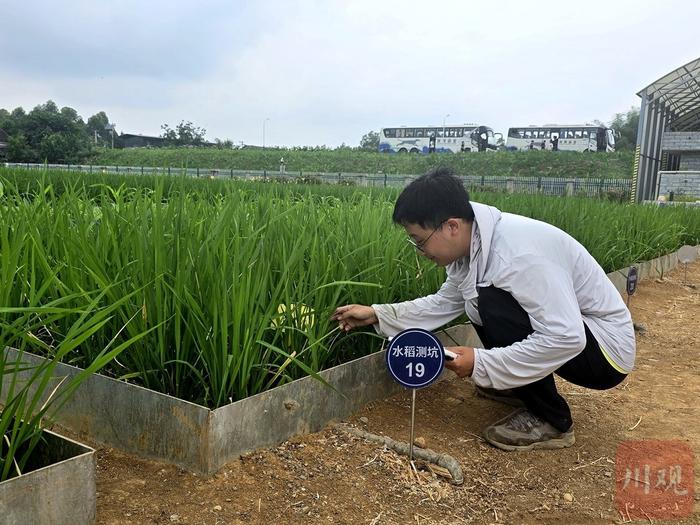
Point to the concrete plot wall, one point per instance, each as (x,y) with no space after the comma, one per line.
(654,269)
(61,493)
(306,406)
(159,426)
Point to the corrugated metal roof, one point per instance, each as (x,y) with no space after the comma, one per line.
(679,92)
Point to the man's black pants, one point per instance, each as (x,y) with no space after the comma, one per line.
(505,322)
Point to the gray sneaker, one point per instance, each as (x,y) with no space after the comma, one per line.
(522,430)
(502,396)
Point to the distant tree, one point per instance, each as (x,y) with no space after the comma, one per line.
(626,124)
(370,141)
(169,135)
(224,144)
(97,127)
(45,134)
(184,134)
(18,149)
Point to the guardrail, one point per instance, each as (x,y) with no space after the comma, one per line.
(589,187)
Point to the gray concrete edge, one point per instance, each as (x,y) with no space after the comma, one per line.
(62,493)
(653,269)
(307,405)
(132,418)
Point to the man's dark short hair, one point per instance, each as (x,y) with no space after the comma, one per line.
(433,198)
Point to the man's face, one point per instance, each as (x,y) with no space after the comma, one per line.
(444,244)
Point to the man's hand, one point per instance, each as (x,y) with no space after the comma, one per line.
(463,364)
(354,315)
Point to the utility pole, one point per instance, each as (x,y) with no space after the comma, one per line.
(110,127)
(443,127)
(263,142)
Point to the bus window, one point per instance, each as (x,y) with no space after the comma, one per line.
(578,134)
(528,134)
(419,133)
(400,133)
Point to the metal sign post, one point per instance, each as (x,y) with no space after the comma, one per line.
(686,254)
(415,359)
(631,283)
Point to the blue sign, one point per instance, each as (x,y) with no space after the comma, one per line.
(415,358)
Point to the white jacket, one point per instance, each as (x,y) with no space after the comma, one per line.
(550,274)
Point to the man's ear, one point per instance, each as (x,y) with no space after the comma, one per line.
(454,224)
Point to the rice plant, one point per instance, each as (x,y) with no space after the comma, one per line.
(234,282)
(31,394)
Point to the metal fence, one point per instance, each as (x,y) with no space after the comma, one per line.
(618,189)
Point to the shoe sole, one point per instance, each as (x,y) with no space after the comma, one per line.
(551,444)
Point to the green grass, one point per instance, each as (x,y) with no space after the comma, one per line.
(511,164)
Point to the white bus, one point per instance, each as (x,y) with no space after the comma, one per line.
(578,137)
(439,139)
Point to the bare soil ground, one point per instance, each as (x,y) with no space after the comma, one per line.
(331,477)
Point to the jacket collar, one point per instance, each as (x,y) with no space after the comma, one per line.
(469,273)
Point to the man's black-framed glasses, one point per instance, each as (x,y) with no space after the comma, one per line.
(420,246)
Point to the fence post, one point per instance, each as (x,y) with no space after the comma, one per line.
(510,185)
(198,171)
(141,170)
(231,173)
(482,183)
(569,189)
(539,184)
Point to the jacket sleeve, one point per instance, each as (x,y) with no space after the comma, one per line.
(545,291)
(429,312)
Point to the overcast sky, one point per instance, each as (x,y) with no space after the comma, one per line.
(327,72)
